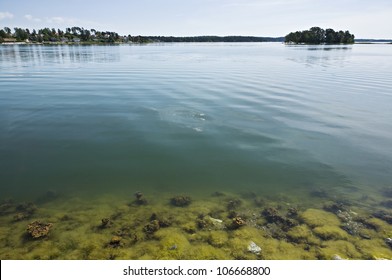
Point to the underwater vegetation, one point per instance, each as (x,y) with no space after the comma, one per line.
(213,226)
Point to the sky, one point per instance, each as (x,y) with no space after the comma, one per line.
(274,18)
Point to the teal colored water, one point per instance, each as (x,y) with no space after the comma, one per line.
(194,117)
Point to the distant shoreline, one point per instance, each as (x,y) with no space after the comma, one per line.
(155,39)
(157,42)
(81,36)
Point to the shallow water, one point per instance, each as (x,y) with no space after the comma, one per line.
(185,116)
(298,122)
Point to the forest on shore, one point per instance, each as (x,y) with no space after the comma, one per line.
(81,35)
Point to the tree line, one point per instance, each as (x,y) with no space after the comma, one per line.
(69,35)
(81,35)
(214,39)
(317,35)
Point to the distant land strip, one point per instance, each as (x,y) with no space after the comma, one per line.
(80,35)
(92,36)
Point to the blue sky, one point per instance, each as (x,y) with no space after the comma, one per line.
(366,19)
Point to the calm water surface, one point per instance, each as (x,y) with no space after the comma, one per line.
(195,117)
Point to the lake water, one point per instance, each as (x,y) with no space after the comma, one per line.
(260,117)
(285,147)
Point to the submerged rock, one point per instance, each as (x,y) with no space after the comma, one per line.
(273,216)
(26,207)
(138,195)
(337,258)
(292,212)
(335,207)
(140,200)
(232,214)
(389,242)
(349,224)
(201,222)
(38,229)
(237,222)
(115,241)
(253,248)
(162,221)
(106,223)
(21,216)
(210,223)
(6,207)
(24,211)
(152,227)
(127,233)
(180,201)
(352,227)
(274,230)
(216,222)
(233,204)
(384,215)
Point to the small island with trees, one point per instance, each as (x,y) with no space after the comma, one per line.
(317,36)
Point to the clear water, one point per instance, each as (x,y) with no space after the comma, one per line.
(265,118)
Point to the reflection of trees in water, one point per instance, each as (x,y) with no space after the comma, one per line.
(322,55)
(38,54)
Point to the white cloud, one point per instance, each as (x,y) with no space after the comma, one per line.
(6,15)
(31,18)
(59,20)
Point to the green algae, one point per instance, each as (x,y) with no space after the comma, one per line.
(282,250)
(330,232)
(317,217)
(207,252)
(173,245)
(380,225)
(218,238)
(344,249)
(374,249)
(190,227)
(302,234)
(78,233)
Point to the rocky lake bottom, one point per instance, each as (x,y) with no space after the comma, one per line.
(219,225)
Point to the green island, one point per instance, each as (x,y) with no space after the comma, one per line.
(80,35)
(317,36)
